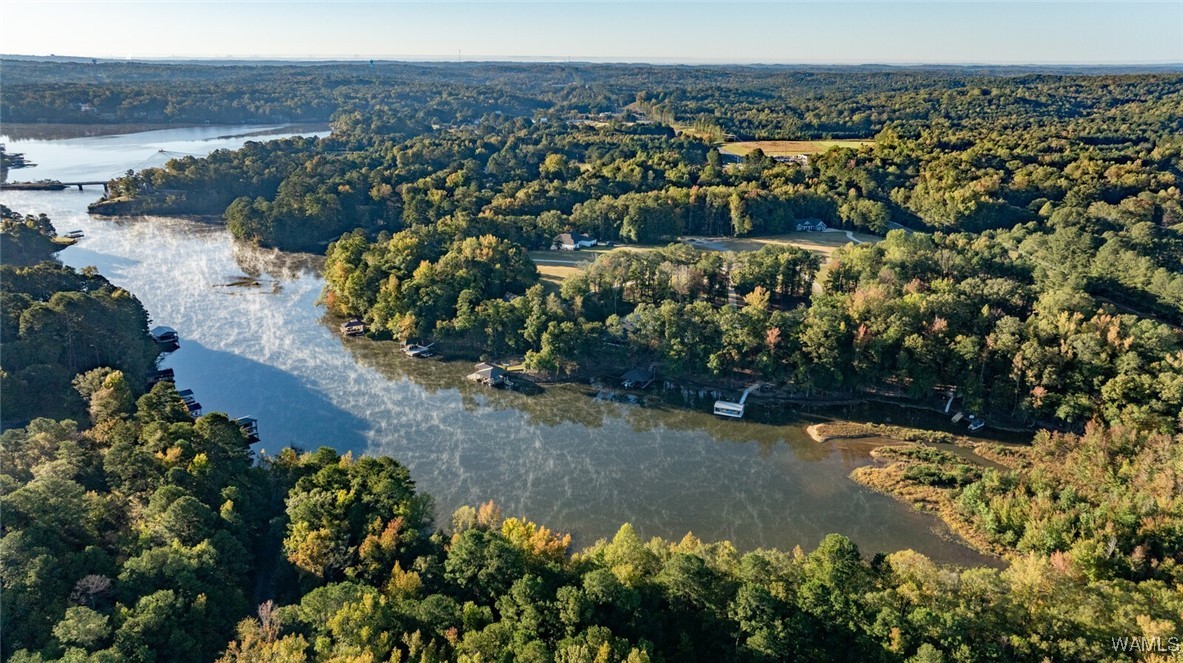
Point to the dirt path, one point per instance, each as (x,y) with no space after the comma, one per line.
(849,234)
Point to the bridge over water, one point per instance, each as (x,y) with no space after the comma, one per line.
(52,185)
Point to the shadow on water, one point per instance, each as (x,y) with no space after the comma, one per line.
(107,264)
(290,412)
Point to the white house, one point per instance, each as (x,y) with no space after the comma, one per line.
(811,225)
(573,242)
(802,159)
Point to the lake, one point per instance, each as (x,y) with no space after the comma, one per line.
(573,458)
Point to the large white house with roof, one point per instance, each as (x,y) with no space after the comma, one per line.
(573,242)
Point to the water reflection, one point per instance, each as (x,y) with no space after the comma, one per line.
(254,341)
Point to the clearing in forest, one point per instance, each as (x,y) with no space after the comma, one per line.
(557,266)
(785,148)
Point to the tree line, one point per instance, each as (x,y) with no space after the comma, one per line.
(58,322)
(149,535)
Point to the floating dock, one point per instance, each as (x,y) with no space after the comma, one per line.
(418,351)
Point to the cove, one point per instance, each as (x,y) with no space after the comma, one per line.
(572,458)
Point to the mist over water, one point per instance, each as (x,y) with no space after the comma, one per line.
(572,458)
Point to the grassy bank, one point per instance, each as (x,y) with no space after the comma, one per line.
(848,430)
(930,480)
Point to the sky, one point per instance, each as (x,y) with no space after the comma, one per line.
(1063,32)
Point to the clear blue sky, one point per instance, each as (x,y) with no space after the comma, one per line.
(780,32)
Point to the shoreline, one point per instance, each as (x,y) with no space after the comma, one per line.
(19,131)
(608,375)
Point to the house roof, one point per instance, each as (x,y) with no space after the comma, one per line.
(637,375)
(488,370)
(572,238)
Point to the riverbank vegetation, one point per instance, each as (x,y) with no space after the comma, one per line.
(27,240)
(1108,502)
(1041,285)
(914,316)
(847,430)
(147,532)
(58,322)
(1030,267)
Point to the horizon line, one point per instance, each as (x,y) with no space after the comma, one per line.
(555,59)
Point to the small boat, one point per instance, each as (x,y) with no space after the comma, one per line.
(418,351)
(74,234)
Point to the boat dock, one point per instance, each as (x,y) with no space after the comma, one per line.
(639,378)
(191,403)
(490,376)
(418,351)
(166,336)
(735,409)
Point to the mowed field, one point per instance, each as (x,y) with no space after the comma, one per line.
(785,148)
(822,244)
(557,266)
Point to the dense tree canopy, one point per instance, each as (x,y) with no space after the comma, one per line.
(1031,265)
(149,535)
(58,322)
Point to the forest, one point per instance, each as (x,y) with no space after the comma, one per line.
(145,535)
(1031,224)
(57,323)
(1030,259)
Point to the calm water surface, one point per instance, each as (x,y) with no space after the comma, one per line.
(570,458)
